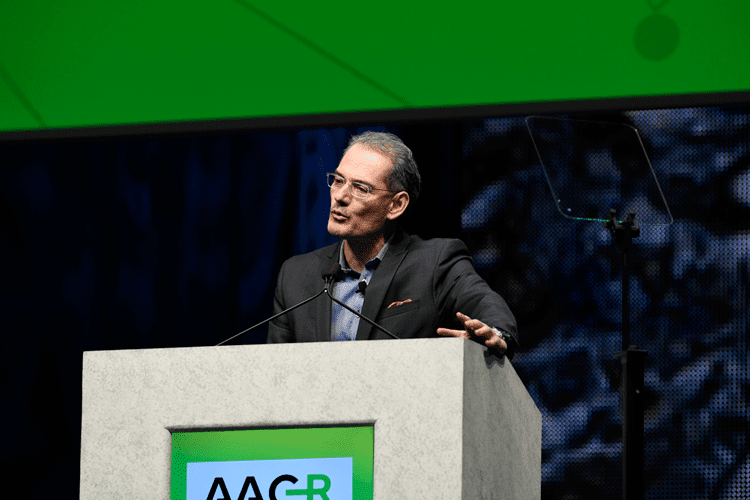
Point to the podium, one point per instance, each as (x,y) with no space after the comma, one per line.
(450,420)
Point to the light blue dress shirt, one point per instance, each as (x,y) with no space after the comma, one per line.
(344,324)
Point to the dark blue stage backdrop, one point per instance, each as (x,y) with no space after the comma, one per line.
(176,241)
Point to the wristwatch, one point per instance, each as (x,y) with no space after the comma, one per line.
(500,333)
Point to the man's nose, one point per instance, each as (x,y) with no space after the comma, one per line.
(343,193)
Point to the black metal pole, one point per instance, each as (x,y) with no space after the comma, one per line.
(625,299)
(632,364)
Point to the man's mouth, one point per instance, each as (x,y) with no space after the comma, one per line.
(338,215)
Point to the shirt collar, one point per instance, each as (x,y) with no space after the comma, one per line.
(379,257)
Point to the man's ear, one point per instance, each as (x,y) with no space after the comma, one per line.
(398,205)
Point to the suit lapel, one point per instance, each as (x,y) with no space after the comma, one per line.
(323,304)
(379,284)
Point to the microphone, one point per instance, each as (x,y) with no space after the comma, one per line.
(333,275)
(362,287)
(330,277)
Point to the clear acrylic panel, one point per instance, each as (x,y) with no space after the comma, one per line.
(592,167)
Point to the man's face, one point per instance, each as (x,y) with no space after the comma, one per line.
(353,218)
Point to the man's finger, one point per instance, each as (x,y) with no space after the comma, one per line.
(447,332)
(484,332)
(473,324)
(464,318)
(497,343)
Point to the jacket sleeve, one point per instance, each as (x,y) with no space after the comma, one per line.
(279,330)
(458,287)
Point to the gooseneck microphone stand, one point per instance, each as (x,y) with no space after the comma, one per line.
(360,315)
(632,362)
(330,278)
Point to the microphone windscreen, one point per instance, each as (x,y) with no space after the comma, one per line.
(362,287)
(334,272)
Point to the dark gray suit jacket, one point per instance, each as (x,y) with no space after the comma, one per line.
(437,275)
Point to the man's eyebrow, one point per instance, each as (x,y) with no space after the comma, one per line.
(353,180)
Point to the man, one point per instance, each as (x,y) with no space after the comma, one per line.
(414,288)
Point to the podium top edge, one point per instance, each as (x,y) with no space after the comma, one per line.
(293,345)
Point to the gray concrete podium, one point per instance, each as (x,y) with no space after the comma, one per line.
(450,421)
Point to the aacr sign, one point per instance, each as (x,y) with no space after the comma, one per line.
(295,479)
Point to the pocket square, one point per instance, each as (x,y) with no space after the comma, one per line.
(398,303)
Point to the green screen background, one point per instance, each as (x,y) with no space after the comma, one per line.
(271,444)
(81,63)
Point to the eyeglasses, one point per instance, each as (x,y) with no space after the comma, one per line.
(358,189)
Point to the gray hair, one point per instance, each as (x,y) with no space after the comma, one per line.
(404,175)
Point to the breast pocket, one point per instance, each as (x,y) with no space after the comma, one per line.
(403,308)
